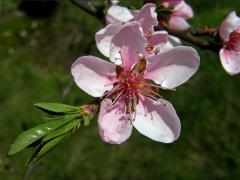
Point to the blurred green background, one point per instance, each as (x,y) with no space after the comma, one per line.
(35,60)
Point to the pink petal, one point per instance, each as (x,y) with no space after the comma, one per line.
(171,43)
(175,41)
(230,61)
(178,23)
(93,75)
(158,38)
(114,126)
(135,13)
(130,42)
(110,20)
(147,17)
(174,67)
(230,24)
(116,14)
(171,3)
(104,36)
(183,10)
(158,121)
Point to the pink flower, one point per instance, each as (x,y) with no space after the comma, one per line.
(230,53)
(181,12)
(146,17)
(129,92)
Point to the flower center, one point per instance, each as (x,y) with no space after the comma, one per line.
(130,86)
(234,41)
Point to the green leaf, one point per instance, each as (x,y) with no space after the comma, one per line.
(28,137)
(71,126)
(47,147)
(56,108)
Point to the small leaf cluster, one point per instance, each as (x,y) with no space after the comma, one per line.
(62,123)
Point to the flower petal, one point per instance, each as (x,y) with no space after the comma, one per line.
(147,17)
(159,41)
(230,61)
(127,44)
(174,67)
(171,3)
(114,127)
(171,43)
(158,38)
(230,24)
(135,12)
(104,36)
(116,14)
(175,41)
(158,121)
(178,23)
(93,75)
(183,10)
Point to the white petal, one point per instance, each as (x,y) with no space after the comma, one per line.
(93,75)
(175,41)
(130,39)
(114,126)
(104,37)
(231,23)
(174,67)
(120,14)
(158,121)
(171,43)
(178,23)
(230,61)
(183,10)
(147,17)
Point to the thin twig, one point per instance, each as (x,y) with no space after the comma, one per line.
(90,8)
(29,170)
(188,36)
(191,35)
(66,90)
(205,31)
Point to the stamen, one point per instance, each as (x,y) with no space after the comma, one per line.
(118,96)
(151,96)
(155,93)
(120,105)
(109,93)
(158,86)
(134,102)
(152,85)
(124,65)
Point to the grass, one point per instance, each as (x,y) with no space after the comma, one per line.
(35,61)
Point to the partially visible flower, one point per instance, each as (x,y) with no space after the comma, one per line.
(129,92)
(230,34)
(146,17)
(114,2)
(180,13)
(90,109)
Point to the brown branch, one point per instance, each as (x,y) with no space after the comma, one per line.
(149,1)
(90,8)
(205,31)
(190,36)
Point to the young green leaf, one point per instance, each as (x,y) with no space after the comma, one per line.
(30,136)
(56,108)
(47,147)
(69,127)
